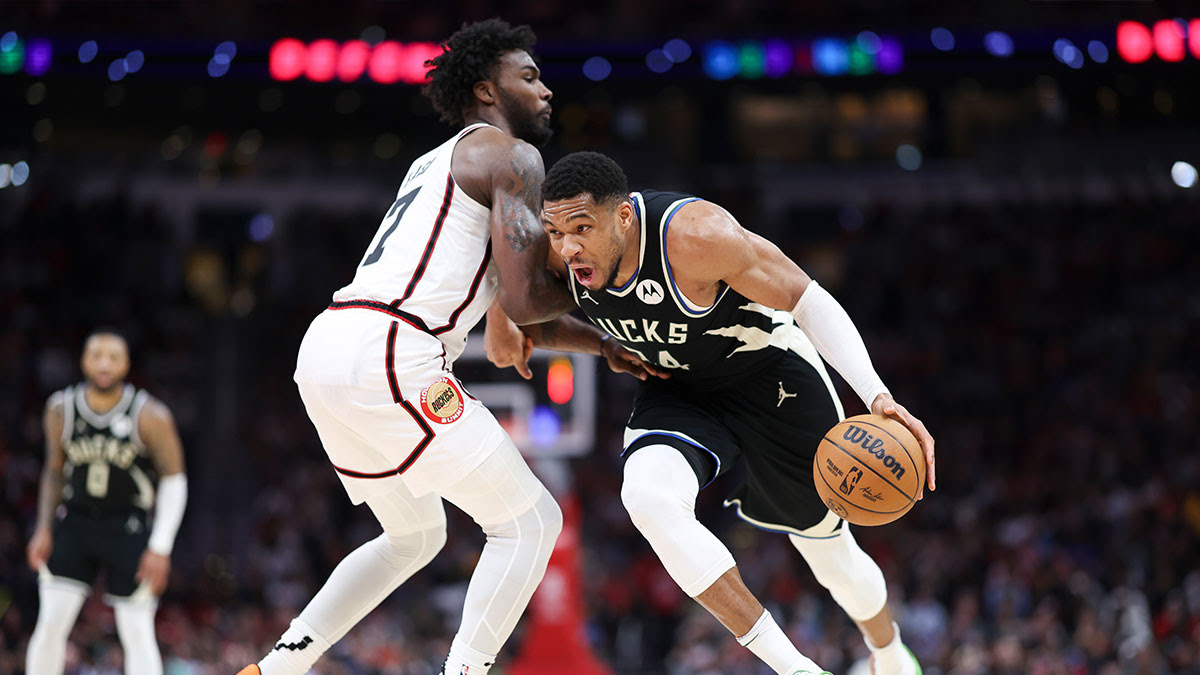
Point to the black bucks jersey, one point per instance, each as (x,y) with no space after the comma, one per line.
(702,347)
(107,467)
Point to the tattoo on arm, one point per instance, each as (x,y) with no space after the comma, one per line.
(520,207)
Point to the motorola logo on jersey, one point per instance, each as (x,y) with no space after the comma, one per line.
(121,426)
(650,292)
(442,402)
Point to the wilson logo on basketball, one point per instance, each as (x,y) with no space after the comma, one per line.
(442,402)
(874,446)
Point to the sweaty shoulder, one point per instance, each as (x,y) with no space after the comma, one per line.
(486,154)
(704,242)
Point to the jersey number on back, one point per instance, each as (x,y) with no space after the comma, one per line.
(396,213)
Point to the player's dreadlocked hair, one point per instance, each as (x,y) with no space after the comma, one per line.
(586,172)
(471,55)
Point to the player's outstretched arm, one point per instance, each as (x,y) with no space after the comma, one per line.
(156,426)
(708,246)
(508,345)
(50,491)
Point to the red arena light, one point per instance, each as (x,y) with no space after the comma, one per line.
(1168,40)
(1134,42)
(385,62)
(322,60)
(352,62)
(288,59)
(1194,37)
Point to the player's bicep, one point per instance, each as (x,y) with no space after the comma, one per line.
(766,275)
(516,207)
(53,420)
(156,427)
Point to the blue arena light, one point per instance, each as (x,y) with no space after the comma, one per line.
(942,39)
(134,60)
(998,44)
(721,60)
(216,68)
(597,68)
(779,58)
(8,41)
(869,42)
(1098,51)
(908,157)
(37,57)
(1066,52)
(657,61)
(677,50)
(890,59)
(88,51)
(117,70)
(830,56)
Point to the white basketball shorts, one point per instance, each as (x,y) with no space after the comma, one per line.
(386,405)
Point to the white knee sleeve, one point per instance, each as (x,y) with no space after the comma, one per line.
(659,491)
(522,522)
(135,628)
(59,607)
(851,576)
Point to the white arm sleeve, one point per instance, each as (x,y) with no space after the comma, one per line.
(832,332)
(168,513)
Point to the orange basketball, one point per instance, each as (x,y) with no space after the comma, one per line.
(869,469)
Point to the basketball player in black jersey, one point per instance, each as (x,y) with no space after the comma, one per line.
(104,441)
(738,327)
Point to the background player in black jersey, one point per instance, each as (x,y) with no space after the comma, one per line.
(104,440)
(739,326)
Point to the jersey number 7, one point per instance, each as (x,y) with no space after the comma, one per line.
(397,214)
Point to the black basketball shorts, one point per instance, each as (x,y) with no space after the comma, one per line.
(772,420)
(86,544)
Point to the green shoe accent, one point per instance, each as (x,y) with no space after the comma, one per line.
(915,662)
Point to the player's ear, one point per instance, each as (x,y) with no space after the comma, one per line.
(485,92)
(625,214)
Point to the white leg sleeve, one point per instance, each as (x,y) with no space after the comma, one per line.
(135,628)
(59,607)
(414,530)
(659,491)
(851,576)
(522,521)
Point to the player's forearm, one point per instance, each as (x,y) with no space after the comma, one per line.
(168,513)
(566,334)
(537,298)
(49,497)
(838,341)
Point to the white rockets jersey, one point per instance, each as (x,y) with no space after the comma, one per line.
(429,262)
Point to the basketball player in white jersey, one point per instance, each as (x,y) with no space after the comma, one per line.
(374,368)
(104,441)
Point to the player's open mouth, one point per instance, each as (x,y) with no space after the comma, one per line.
(584,274)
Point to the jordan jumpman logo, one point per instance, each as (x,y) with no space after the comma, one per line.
(783,395)
(585,295)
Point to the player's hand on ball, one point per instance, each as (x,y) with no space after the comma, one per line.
(153,571)
(506,345)
(886,406)
(621,360)
(38,551)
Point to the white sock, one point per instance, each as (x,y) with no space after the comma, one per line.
(295,652)
(892,658)
(135,628)
(466,661)
(769,643)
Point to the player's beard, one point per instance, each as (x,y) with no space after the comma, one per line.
(529,127)
(113,386)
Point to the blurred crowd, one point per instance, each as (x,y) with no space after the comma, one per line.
(1049,347)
